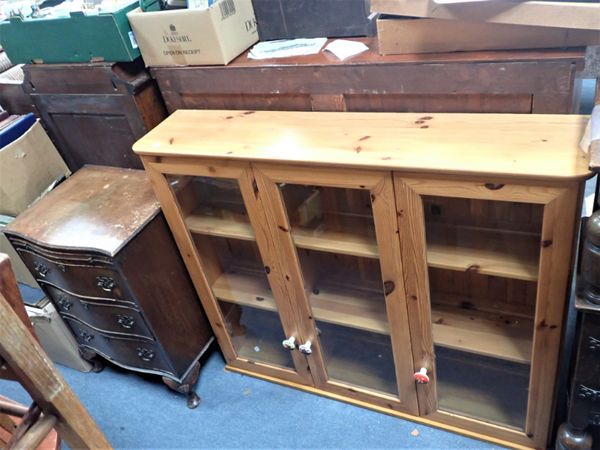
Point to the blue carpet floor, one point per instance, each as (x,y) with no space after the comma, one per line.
(236,412)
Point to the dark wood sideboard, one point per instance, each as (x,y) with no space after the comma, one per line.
(523,81)
(95,112)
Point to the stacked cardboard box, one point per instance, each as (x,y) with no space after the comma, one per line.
(214,34)
(430,26)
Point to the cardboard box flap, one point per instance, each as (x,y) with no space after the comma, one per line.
(28,165)
(402,35)
(541,13)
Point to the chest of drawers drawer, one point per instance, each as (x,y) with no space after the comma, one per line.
(128,351)
(110,316)
(79,277)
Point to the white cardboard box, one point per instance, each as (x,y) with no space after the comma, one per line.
(21,272)
(400,35)
(28,166)
(186,37)
(580,15)
(55,337)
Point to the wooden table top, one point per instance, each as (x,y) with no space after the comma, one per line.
(505,145)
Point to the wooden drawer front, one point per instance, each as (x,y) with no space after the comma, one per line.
(130,352)
(79,278)
(112,318)
(74,256)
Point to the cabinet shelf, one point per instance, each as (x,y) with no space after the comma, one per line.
(220,227)
(489,334)
(517,258)
(347,308)
(336,242)
(483,333)
(486,251)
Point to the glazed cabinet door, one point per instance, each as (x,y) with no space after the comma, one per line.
(216,216)
(486,270)
(337,236)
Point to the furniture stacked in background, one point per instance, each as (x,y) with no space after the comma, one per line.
(581,427)
(405,25)
(99,247)
(336,264)
(30,166)
(23,359)
(523,81)
(94,112)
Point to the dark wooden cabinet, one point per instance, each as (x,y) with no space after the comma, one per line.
(584,399)
(524,81)
(95,112)
(100,248)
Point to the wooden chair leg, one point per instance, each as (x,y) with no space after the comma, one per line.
(35,434)
(45,384)
(30,417)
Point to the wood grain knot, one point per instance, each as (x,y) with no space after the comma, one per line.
(284,229)
(364,138)
(247,113)
(493,186)
(547,243)
(171,140)
(358,149)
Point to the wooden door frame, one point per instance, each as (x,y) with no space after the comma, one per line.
(156,167)
(560,201)
(380,185)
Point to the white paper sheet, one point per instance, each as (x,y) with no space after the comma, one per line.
(344,49)
(286,47)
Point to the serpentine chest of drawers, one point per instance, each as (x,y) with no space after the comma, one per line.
(100,248)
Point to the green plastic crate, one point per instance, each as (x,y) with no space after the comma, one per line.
(79,38)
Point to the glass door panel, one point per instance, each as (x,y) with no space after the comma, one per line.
(216,216)
(483,259)
(334,234)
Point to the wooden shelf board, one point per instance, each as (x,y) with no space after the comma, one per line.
(217,226)
(521,262)
(245,289)
(365,312)
(487,334)
(487,251)
(335,242)
(351,308)
(483,333)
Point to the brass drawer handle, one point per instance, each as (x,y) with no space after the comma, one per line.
(64,303)
(106,283)
(125,321)
(145,354)
(87,337)
(41,269)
